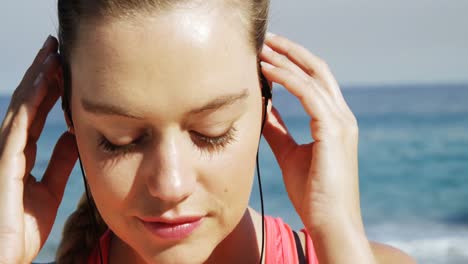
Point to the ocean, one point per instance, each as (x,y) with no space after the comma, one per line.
(413,159)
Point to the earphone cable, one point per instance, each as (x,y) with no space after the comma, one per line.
(88,198)
(91,211)
(260,184)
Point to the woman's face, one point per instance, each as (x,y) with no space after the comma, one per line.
(167,112)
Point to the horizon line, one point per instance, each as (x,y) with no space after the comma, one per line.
(370,85)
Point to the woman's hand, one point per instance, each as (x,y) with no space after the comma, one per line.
(321,177)
(28,208)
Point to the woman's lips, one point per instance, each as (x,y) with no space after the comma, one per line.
(172,229)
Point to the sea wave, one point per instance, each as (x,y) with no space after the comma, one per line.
(448,249)
(426,241)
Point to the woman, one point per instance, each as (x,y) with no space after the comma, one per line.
(164,107)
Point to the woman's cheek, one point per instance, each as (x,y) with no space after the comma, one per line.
(113,177)
(122,175)
(228,175)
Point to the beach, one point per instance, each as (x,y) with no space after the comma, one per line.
(413,159)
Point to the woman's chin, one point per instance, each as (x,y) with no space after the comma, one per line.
(182,255)
(195,249)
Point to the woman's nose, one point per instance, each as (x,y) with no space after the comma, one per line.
(171,178)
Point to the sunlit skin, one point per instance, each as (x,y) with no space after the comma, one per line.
(165,87)
(145,68)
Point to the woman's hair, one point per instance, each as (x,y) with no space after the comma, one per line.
(79,238)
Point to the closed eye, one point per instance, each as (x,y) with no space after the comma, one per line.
(110,148)
(214,144)
(201,141)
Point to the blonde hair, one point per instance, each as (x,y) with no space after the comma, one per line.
(79,235)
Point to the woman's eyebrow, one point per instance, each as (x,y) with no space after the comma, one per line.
(100,108)
(220,102)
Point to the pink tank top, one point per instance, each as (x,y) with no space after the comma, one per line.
(280,245)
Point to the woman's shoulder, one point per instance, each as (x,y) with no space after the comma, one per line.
(284,245)
(388,254)
(384,253)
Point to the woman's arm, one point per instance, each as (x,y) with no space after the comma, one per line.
(384,254)
(321,177)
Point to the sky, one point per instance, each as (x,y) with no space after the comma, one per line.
(365,42)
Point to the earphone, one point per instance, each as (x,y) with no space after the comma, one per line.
(266,94)
(88,199)
(266,89)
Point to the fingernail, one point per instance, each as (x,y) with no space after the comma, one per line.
(266,65)
(266,48)
(269,34)
(47,42)
(38,79)
(48,58)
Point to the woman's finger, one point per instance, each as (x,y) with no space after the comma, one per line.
(51,84)
(13,162)
(274,58)
(50,46)
(277,135)
(308,62)
(315,103)
(30,152)
(60,166)
(14,134)
(26,97)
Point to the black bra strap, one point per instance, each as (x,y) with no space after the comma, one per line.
(300,251)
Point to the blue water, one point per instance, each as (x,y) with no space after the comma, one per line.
(413,168)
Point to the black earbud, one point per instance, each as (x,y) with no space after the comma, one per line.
(266,89)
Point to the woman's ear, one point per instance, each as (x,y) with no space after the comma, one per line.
(67,116)
(70,127)
(62,74)
(270,103)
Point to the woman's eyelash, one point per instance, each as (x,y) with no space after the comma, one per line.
(110,148)
(214,144)
(203,142)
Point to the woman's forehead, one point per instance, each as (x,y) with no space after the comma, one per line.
(166,58)
(198,28)
(162,43)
